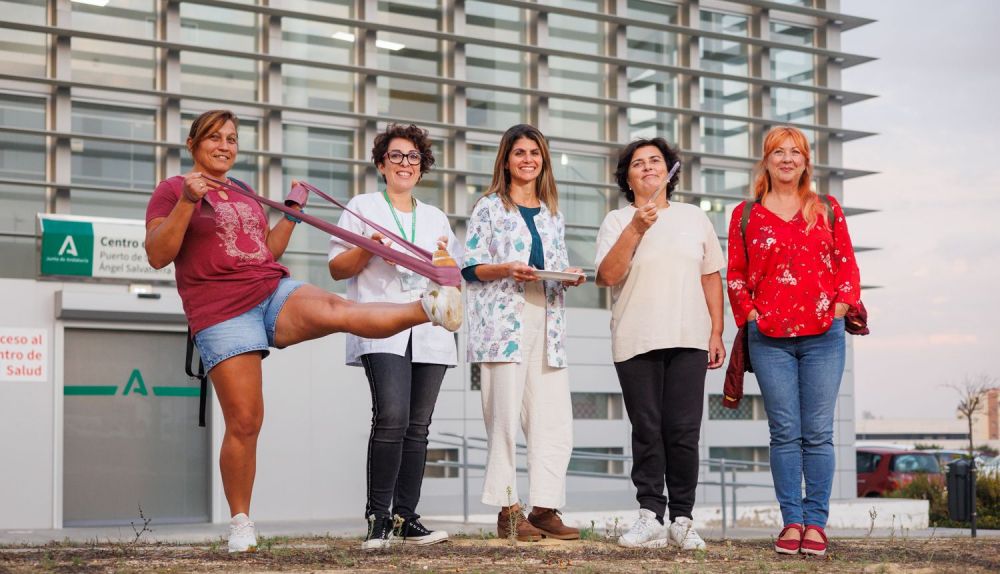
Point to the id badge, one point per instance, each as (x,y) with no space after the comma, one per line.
(408,280)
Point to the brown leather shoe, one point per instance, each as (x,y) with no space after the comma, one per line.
(523,530)
(548,522)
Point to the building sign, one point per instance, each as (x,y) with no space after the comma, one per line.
(97,247)
(24,355)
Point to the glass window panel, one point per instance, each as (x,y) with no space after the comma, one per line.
(581,205)
(203,74)
(735,183)
(410,53)
(335,8)
(794,67)
(313,268)
(726,96)
(597,406)
(501,67)
(577,34)
(575,119)
(441,455)
(311,87)
(415,14)
(715,209)
(23,53)
(496,22)
(113,63)
(110,203)
(23,11)
(648,86)
(107,162)
(333,177)
(789,105)
(596,464)
(133,18)
(791,34)
(21,157)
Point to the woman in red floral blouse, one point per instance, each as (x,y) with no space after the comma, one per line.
(792,277)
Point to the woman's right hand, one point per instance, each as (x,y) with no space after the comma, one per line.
(752,315)
(384,241)
(520,272)
(644,218)
(195,187)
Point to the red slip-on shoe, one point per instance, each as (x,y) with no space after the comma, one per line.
(813,547)
(789,546)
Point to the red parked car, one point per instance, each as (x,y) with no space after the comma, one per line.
(881,471)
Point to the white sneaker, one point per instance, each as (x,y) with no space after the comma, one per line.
(443,306)
(684,536)
(242,537)
(645,532)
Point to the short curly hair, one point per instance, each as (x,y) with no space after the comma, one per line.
(625,158)
(417,136)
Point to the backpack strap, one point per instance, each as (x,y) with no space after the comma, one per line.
(744,219)
(200,375)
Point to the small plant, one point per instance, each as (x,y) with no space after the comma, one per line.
(873,514)
(589,533)
(511,518)
(145,526)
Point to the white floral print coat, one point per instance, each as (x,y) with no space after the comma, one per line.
(493,313)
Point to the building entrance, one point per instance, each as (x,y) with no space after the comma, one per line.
(131,434)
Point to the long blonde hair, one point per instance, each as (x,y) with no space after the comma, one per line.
(545,183)
(812,208)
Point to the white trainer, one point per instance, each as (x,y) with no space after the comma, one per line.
(242,537)
(645,532)
(684,536)
(443,306)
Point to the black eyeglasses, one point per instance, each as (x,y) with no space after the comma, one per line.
(396,156)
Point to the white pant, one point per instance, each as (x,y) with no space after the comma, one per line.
(536,396)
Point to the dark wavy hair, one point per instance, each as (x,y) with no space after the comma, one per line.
(417,136)
(625,158)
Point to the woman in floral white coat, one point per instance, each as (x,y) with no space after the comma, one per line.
(517,330)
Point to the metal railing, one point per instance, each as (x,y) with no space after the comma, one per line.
(723,466)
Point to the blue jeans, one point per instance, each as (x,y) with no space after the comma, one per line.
(799,378)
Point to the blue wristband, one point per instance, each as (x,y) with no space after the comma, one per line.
(294,219)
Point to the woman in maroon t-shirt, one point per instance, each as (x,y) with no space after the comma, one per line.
(240,301)
(792,277)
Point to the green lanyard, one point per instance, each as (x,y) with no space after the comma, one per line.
(413,224)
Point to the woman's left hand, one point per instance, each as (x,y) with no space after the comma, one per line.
(840,310)
(580,281)
(716,352)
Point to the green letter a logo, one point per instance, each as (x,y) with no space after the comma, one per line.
(140,387)
(69,246)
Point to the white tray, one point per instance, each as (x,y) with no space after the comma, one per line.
(557,275)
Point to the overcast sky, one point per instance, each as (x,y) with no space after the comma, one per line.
(936,317)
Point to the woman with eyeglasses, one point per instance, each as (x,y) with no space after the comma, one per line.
(405,370)
(517,330)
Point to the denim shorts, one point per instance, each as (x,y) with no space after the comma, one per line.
(251,331)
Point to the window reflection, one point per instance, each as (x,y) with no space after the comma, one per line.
(309,87)
(730,137)
(206,74)
(109,163)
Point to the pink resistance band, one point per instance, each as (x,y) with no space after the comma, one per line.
(419,262)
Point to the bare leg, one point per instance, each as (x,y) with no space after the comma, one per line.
(237,382)
(311,312)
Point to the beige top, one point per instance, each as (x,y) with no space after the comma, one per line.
(661,303)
